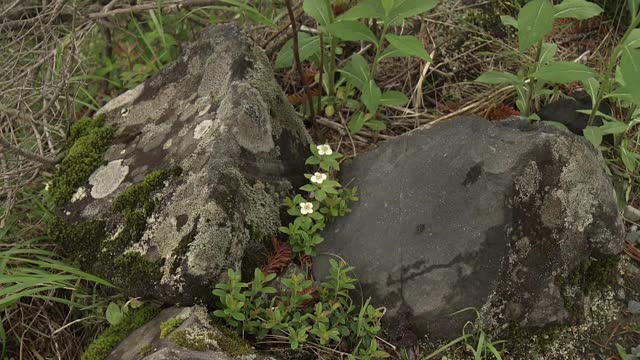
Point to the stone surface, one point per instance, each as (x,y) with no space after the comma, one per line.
(469,213)
(632,214)
(565,112)
(633,307)
(217,115)
(146,342)
(633,237)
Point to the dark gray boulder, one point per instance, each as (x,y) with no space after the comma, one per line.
(202,155)
(469,213)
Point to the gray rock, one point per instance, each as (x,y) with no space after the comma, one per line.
(218,115)
(633,307)
(633,237)
(632,214)
(469,213)
(146,343)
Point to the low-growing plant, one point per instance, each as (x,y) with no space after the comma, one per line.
(356,89)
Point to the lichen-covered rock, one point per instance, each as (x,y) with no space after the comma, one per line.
(183,334)
(200,158)
(516,220)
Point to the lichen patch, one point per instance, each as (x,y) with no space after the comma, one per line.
(202,129)
(106,179)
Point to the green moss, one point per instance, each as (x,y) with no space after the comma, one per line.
(145,350)
(593,273)
(233,344)
(81,241)
(190,341)
(89,139)
(133,270)
(170,325)
(105,343)
(138,197)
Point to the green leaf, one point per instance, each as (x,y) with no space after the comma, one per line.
(548,52)
(319,10)
(509,21)
(593,134)
(375,125)
(407,8)
(387,5)
(564,72)
(592,87)
(393,98)
(577,9)
(634,7)
(556,124)
(392,52)
(630,72)
(409,45)
(351,31)
(629,158)
(371,95)
(613,128)
(366,9)
(357,71)
(356,123)
(114,314)
(308,46)
(498,77)
(633,40)
(535,20)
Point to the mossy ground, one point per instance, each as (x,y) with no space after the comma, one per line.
(170,325)
(105,343)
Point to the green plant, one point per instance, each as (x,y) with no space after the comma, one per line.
(476,341)
(115,313)
(356,89)
(325,199)
(535,21)
(258,309)
(168,326)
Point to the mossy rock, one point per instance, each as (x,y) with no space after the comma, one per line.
(185,174)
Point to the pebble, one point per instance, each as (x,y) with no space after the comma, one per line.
(632,214)
(633,237)
(633,307)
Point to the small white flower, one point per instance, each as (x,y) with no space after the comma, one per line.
(324,149)
(306,208)
(318,178)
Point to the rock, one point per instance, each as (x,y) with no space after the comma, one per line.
(473,214)
(565,112)
(183,334)
(633,237)
(633,307)
(632,214)
(201,156)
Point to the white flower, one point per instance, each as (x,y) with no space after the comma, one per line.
(306,208)
(318,178)
(324,149)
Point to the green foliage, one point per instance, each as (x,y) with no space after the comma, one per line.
(327,200)
(257,309)
(168,326)
(116,313)
(356,90)
(91,139)
(100,348)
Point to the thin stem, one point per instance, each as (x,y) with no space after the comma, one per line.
(379,49)
(321,69)
(296,56)
(532,82)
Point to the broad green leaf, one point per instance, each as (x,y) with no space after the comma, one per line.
(356,122)
(535,20)
(319,10)
(308,46)
(634,7)
(393,98)
(564,72)
(577,9)
(498,77)
(613,128)
(508,20)
(351,31)
(629,158)
(409,45)
(392,52)
(407,8)
(356,71)
(556,124)
(371,95)
(630,72)
(375,125)
(366,9)
(387,5)
(592,87)
(113,314)
(633,40)
(547,52)
(593,134)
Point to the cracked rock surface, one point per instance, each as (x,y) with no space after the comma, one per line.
(469,213)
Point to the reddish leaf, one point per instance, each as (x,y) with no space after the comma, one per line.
(280,259)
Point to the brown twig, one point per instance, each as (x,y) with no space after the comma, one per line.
(167,6)
(296,56)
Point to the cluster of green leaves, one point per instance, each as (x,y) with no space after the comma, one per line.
(115,312)
(535,21)
(356,88)
(258,309)
(618,84)
(328,199)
